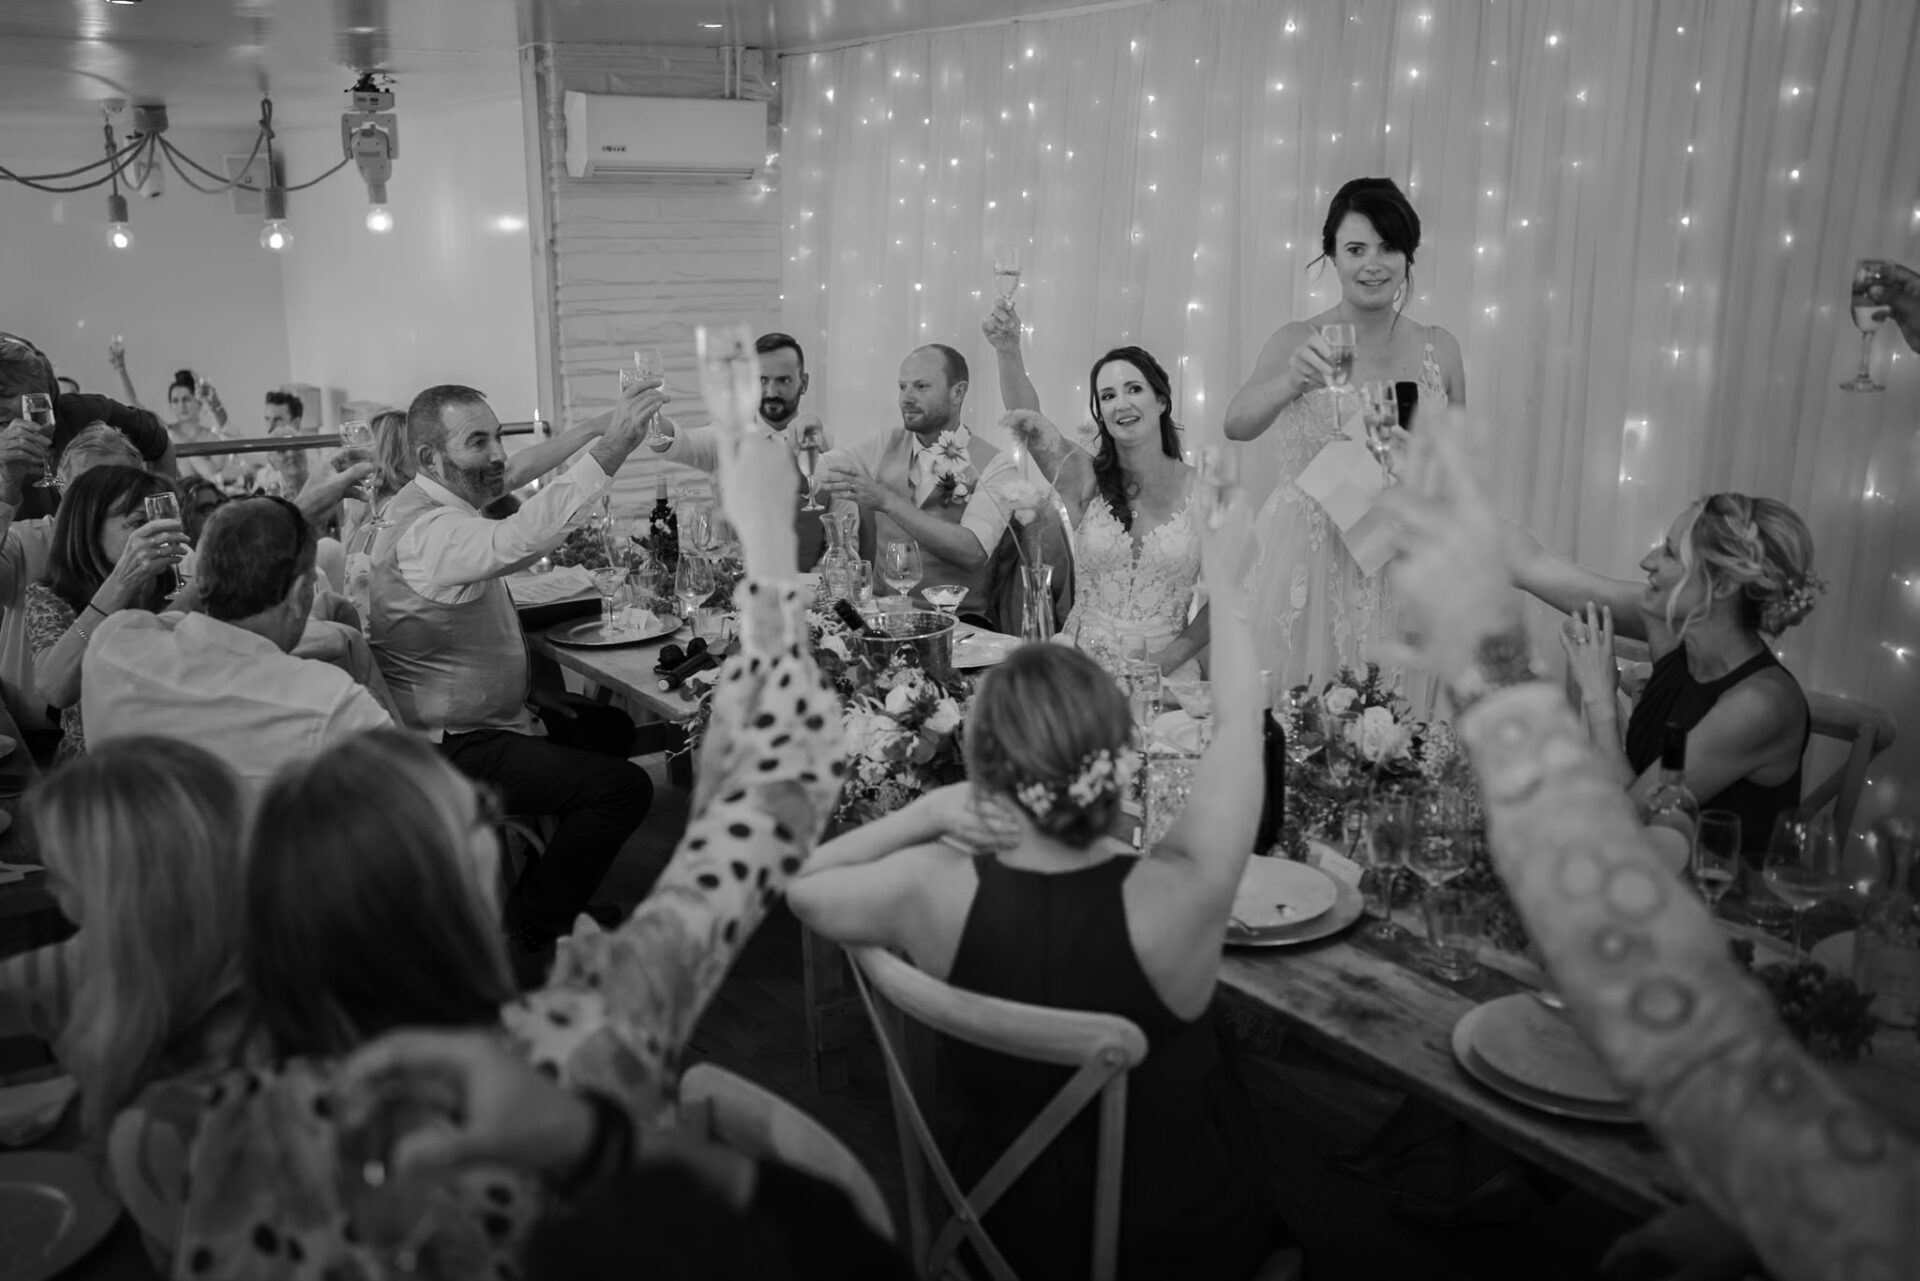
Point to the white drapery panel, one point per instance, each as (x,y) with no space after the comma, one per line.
(1639,220)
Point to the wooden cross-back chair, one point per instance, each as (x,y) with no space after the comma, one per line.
(1103,1047)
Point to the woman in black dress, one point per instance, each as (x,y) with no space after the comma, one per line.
(1047,908)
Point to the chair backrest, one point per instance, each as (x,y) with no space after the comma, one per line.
(1863,732)
(1103,1047)
(759,1123)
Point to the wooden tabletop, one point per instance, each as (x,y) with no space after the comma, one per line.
(1395,1024)
(626,671)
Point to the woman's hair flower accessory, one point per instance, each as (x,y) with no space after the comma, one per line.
(1106,771)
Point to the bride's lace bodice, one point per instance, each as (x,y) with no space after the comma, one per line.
(1117,594)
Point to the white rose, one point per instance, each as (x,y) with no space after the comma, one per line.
(945,718)
(831,642)
(899,699)
(1380,737)
(1339,699)
(1021,495)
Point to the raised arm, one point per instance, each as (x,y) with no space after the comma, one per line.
(1568,588)
(1749,1118)
(1294,362)
(1002,328)
(117,357)
(538,459)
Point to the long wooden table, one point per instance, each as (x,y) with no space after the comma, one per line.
(1395,1024)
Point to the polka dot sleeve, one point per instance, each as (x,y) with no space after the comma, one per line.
(621,1004)
(1816,1182)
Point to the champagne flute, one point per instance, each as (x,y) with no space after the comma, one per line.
(37,408)
(1006,270)
(1716,856)
(1802,867)
(1868,316)
(807,453)
(167,507)
(1219,471)
(945,597)
(692,584)
(1340,340)
(901,567)
(1390,832)
(647,364)
(1438,852)
(1380,411)
(358,445)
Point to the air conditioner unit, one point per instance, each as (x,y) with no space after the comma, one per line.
(623,137)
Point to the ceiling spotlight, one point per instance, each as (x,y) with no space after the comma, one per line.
(119,235)
(370,137)
(275,235)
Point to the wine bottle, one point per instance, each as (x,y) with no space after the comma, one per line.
(662,532)
(1273,801)
(1672,814)
(1886,947)
(844,610)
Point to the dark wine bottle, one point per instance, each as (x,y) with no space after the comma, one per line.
(844,610)
(1273,802)
(662,532)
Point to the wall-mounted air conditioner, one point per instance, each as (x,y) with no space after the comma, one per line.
(625,137)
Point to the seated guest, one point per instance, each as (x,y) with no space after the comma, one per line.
(1732,573)
(897,479)
(142,845)
(199,499)
(25,368)
(370,889)
(226,677)
(448,639)
(106,556)
(1059,912)
(1753,1124)
(783,381)
(287,471)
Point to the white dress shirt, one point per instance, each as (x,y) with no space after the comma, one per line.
(221,687)
(448,554)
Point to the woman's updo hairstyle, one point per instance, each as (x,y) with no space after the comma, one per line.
(1758,543)
(1381,202)
(184,378)
(1041,721)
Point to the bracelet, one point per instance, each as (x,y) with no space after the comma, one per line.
(609,1151)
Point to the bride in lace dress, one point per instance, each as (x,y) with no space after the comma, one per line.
(1136,555)
(1314,611)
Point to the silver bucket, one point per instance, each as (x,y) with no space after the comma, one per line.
(919,637)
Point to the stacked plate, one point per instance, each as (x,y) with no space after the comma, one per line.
(1517,1047)
(1281,903)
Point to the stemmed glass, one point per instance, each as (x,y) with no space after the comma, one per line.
(1219,471)
(806,451)
(1196,700)
(612,583)
(1340,343)
(360,444)
(1391,831)
(1441,849)
(1380,411)
(945,597)
(37,408)
(1716,856)
(1802,866)
(692,584)
(900,566)
(1868,316)
(1006,270)
(1341,732)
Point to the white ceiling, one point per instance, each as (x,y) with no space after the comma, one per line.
(211,60)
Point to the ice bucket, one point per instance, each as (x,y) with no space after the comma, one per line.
(922,638)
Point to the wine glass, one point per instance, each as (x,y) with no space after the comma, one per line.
(1380,411)
(611,580)
(1195,697)
(1390,832)
(37,408)
(945,597)
(692,583)
(358,444)
(900,566)
(1439,851)
(1006,270)
(1716,856)
(1868,316)
(1219,471)
(167,507)
(1802,866)
(1341,733)
(1340,340)
(806,451)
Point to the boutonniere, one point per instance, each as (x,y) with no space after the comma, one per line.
(951,464)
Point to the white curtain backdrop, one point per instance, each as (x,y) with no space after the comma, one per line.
(1639,217)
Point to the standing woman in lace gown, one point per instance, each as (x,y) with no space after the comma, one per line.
(1137,559)
(1314,610)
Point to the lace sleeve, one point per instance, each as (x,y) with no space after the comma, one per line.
(48,617)
(1819,1185)
(620,1004)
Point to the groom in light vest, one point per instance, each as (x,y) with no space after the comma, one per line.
(931,482)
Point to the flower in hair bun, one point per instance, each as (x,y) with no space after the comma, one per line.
(1102,772)
(1793,604)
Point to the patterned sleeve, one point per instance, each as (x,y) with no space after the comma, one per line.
(620,1004)
(1817,1183)
(48,617)
(39,986)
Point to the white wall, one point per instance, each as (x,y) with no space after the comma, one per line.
(195,290)
(447,295)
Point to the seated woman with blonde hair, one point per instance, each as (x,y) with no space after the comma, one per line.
(1730,575)
(1057,912)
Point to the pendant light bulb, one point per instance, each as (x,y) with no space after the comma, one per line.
(275,235)
(119,234)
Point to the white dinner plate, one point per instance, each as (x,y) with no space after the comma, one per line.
(52,1212)
(1348,906)
(981,649)
(1524,1041)
(1276,892)
(1480,1070)
(1175,731)
(586,632)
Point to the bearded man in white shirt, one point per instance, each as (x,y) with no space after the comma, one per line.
(783,381)
(448,639)
(226,678)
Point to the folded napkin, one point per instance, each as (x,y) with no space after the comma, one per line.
(564,583)
(1345,479)
(29,1111)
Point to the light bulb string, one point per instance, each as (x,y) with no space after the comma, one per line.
(121,161)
